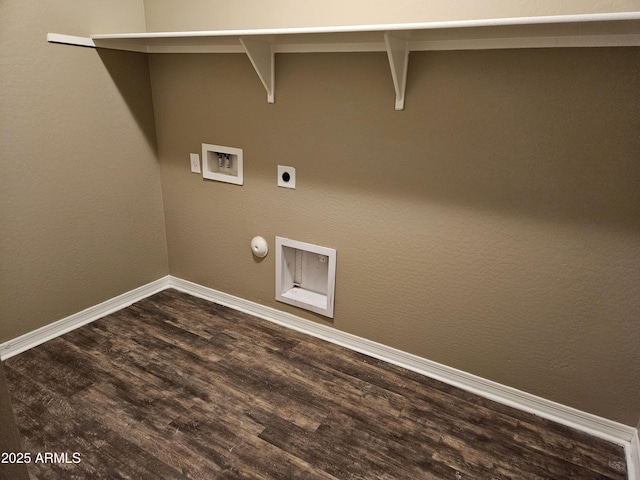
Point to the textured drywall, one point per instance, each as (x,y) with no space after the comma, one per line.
(493,226)
(81,217)
(84,17)
(167,15)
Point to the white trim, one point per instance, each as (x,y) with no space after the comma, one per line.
(53,330)
(633,457)
(586,422)
(597,426)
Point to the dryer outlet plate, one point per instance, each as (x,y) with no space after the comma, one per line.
(286,177)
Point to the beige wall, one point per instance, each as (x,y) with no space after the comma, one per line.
(81,216)
(166,15)
(82,17)
(492,226)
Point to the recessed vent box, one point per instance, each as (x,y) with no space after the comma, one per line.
(305,275)
(223,164)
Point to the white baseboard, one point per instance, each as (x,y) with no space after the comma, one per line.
(586,422)
(633,457)
(592,424)
(53,330)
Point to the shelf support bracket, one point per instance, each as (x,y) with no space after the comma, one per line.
(398,53)
(263,60)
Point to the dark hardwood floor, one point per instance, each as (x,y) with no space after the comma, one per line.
(177,387)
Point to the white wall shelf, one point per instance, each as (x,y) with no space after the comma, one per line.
(586,30)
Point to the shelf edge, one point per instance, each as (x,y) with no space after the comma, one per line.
(436,25)
(70,40)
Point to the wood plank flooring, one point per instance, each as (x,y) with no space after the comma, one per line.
(176,387)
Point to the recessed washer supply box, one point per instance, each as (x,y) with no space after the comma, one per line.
(223,164)
(305,275)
